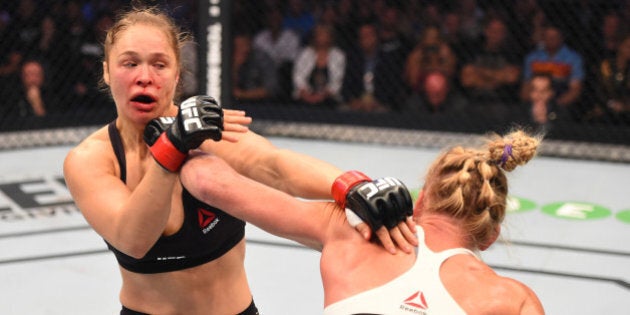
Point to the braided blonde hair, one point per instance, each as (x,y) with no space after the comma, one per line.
(470,184)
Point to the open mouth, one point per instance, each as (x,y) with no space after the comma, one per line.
(144,99)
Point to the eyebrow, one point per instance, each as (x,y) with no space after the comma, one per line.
(135,54)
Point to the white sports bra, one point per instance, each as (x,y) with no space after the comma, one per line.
(417,291)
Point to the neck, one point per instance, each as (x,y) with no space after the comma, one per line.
(442,232)
(131,134)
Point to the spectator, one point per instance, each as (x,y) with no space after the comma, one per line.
(437,97)
(491,76)
(522,24)
(432,54)
(51,43)
(74,25)
(79,82)
(328,13)
(537,32)
(32,102)
(612,32)
(451,29)
(282,45)
(347,23)
(319,70)
(360,89)
(25,27)
(472,16)
(253,72)
(366,11)
(565,66)
(541,107)
(52,50)
(10,59)
(395,46)
(300,19)
(425,14)
(614,83)
(20,32)
(33,98)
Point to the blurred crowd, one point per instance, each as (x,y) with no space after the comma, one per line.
(543,61)
(51,61)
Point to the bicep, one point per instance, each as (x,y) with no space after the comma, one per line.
(95,189)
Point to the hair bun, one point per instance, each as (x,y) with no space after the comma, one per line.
(514,149)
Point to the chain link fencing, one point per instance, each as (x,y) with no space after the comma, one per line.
(408,72)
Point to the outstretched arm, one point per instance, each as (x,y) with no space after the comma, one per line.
(299,175)
(213,181)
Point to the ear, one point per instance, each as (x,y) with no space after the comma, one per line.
(105,73)
(493,238)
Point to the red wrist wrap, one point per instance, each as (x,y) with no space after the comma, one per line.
(344,183)
(166,154)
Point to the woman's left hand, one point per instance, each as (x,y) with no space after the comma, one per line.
(234,122)
(402,236)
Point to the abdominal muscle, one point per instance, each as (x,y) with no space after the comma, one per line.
(216,287)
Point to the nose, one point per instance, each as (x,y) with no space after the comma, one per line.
(144,76)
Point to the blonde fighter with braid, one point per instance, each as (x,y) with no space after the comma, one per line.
(458,213)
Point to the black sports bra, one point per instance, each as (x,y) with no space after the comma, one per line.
(206,234)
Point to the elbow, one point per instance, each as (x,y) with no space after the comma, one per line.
(194,175)
(137,252)
(135,249)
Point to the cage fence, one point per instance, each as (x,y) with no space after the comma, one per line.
(413,73)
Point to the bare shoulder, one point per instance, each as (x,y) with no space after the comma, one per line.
(94,150)
(480,290)
(531,304)
(510,296)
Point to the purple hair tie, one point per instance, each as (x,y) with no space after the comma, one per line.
(507,153)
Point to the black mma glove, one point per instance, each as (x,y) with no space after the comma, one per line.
(155,127)
(199,118)
(385,201)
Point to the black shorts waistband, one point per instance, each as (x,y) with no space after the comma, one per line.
(250,310)
(126,311)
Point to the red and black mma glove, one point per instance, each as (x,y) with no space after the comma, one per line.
(155,128)
(385,201)
(199,118)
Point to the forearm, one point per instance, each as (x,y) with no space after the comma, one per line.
(131,218)
(211,180)
(571,95)
(294,173)
(143,216)
(305,176)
